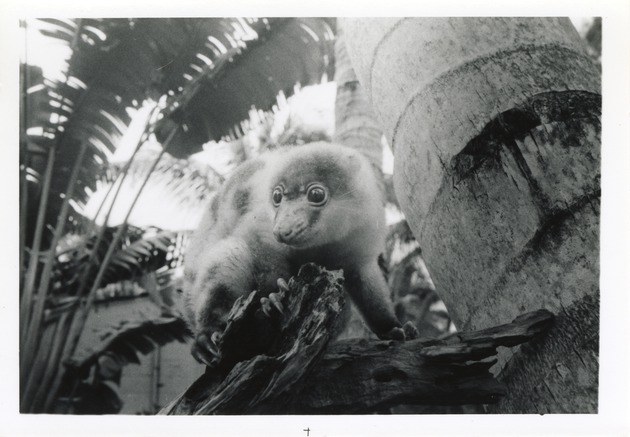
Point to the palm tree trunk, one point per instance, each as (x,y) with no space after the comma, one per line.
(355,123)
(495,128)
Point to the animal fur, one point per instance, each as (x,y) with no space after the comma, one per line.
(245,242)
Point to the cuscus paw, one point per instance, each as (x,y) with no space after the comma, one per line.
(407,332)
(206,348)
(393,334)
(410,331)
(272,305)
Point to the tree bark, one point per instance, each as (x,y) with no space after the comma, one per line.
(355,122)
(495,128)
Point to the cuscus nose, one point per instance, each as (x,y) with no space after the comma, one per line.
(283,235)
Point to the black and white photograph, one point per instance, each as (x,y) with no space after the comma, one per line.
(314,219)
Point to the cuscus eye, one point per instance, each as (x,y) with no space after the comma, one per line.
(317,195)
(276,196)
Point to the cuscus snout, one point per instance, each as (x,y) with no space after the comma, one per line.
(288,233)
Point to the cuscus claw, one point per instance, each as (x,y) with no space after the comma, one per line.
(271,306)
(205,342)
(265,306)
(201,358)
(205,350)
(275,300)
(283,285)
(216,338)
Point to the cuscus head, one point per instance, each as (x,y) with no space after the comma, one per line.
(317,195)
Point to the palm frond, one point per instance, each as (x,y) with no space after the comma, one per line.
(250,74)
(114,66)
(131,339)
(142,256)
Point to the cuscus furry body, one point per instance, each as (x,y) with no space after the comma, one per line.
(316,203)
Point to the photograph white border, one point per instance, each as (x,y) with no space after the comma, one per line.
(612,418)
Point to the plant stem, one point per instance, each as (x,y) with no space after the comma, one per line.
(39,366)
(31,273)
(80,317)
(24,76)
(33,334)
(122,176)
(54,361)
(26,302)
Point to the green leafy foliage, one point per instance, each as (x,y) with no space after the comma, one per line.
(131,339)
(206,74)
(141,256)
(137,256)
(287,52)
(94,385)
(413,292)
(213,70)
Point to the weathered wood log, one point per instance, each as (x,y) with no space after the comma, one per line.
(288,364)
(361,376)
(264,359)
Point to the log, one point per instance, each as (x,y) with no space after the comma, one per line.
(289,364)
(364,376)
(265,359)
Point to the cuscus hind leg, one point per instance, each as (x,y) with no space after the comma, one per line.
(370,294)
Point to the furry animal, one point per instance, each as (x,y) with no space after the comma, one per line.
(316,203)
